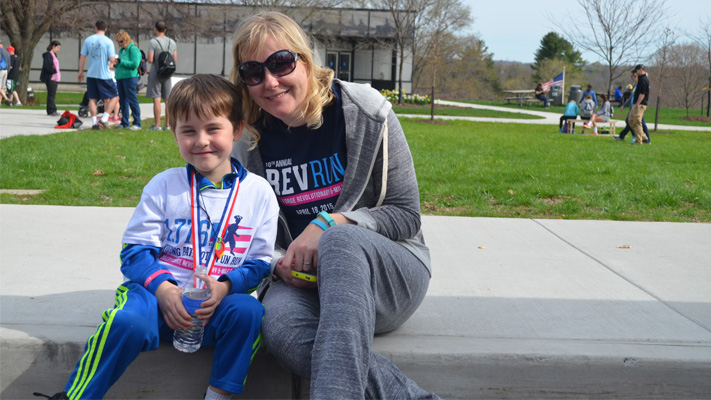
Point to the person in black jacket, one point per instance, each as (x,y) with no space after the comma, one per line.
(639,101)
(50,75)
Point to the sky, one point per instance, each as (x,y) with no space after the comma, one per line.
(513,29)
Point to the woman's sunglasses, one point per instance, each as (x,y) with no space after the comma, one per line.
(281,63)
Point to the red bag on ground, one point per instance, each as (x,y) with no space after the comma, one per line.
(68,121)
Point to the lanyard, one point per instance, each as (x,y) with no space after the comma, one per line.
(215,252)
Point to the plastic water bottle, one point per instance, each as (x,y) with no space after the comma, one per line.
(189,340)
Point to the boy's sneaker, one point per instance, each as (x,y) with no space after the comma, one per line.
(57,396)
(135,128)
(18,104)
(114,119)
(7,103)
(618,138)
(155,128)
(586,126)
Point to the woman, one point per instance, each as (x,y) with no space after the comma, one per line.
(541,95)
(338,161)
(126,67)
(51,76)
(603,115)
(571,112)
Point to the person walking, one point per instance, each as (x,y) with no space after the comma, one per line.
(99,50)
(338,161)
(4,67)
(628,103)
(127,80)
(13,75)
(51,76)
(641,95)
(159,89)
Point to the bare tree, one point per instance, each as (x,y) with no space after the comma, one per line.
(619,32)
(703,39)
(661,63)
(25,22)
(687,71)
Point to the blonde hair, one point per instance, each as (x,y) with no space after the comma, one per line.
(250,36)
(205,95)
(123,35)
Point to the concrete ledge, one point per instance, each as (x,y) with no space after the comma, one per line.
(516,309)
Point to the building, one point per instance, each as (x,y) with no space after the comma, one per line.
(358,44)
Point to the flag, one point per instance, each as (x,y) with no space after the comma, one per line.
(558,80)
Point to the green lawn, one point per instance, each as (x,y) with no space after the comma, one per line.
(461,112)
(463,168)
(671,116)
(511,170)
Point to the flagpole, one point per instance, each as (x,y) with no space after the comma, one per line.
(563,92)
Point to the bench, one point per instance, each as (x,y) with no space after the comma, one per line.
(518,99)
(602,127)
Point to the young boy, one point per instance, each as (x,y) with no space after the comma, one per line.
(179,207)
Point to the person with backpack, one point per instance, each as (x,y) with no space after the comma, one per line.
(127,79)
(4,67)
(162,55)
(587,107)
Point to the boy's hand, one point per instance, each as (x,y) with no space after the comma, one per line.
(170,302)
(219,291)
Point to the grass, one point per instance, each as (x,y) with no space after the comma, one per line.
(85,168)
(670,116)
(463,168)
(510,170)
(461,112)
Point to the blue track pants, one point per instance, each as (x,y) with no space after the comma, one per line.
(135,324)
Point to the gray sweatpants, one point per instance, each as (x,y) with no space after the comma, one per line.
(367,284)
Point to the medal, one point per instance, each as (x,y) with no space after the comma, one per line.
(216,251)
(219,247)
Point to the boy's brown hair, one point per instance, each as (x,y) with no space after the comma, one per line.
(206,95)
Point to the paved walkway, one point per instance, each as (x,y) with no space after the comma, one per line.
(25,121)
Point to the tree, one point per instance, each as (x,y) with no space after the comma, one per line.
(556,47)
(619,32)
(703,39)
(687,71)
(25,22)
(547,69)
(661,62)
(415,19)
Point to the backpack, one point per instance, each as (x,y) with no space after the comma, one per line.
(165,64)
(586,109)
(143,65)
(3,64)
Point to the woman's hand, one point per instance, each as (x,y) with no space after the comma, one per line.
(170,302)
(284,273)
(218,292)
(302,254)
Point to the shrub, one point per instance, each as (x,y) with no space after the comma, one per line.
(392,96)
